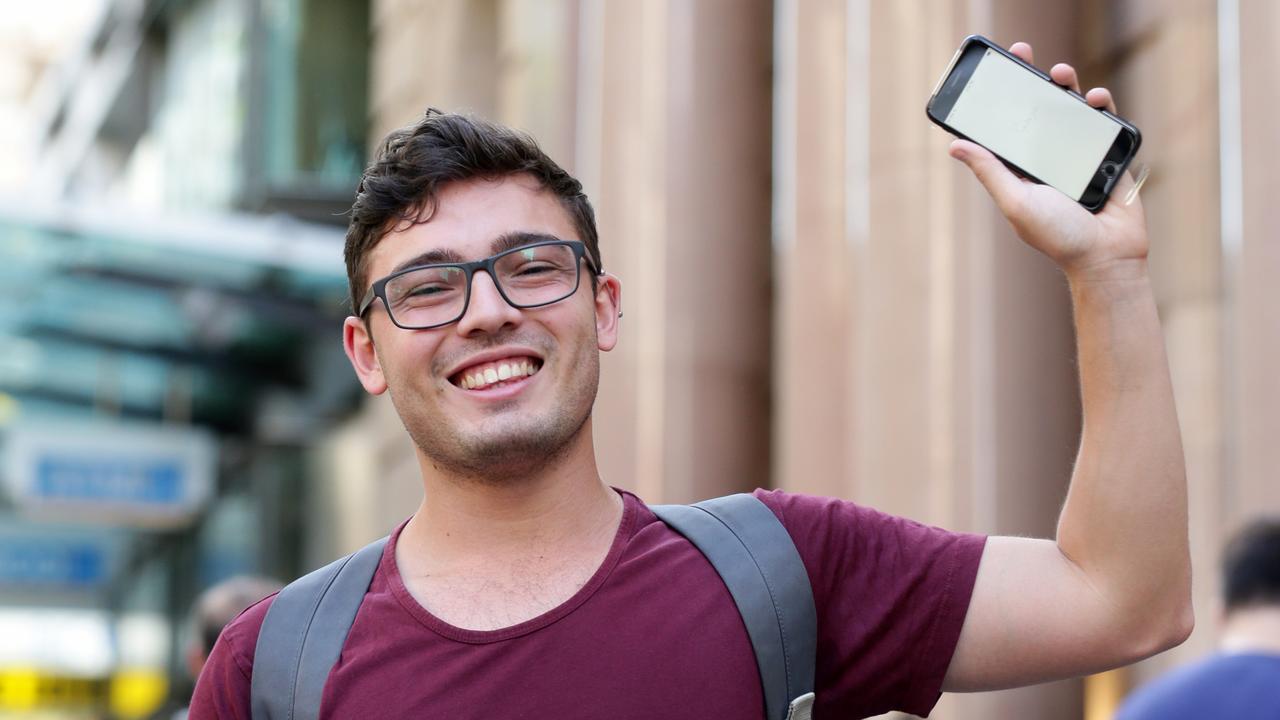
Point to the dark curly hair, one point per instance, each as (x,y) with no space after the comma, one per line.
(413,163)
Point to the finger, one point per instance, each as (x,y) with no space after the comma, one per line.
(1003,186)
(1101,98)
(1122,186)
(1065,75)
(1024,52)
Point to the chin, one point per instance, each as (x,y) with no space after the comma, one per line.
(500,453)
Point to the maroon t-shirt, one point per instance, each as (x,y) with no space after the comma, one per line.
(653,634)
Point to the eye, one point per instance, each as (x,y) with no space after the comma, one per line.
(428,290)
(427,293)
(534,268)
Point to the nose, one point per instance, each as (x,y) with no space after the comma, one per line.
(487,311)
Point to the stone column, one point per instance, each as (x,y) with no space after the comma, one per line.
(673,145)
(432,53)
(925,360)
(1147,45)
(1254,257)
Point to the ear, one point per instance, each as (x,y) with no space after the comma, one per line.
(608,311)
(358,343)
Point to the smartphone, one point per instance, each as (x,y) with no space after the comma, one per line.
(1038,128)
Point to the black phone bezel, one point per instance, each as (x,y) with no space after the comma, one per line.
(948,90)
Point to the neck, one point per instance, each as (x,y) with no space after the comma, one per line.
(562,503)
(1254,629)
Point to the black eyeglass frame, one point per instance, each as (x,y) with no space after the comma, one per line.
(378,290)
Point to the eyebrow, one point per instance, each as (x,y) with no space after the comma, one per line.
(511,240)
(431,257)
(504,242)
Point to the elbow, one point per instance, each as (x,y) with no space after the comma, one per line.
(1164,631)
(1182,617)
(1173,623)
(1182,626)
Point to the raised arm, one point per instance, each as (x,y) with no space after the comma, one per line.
(1115,586)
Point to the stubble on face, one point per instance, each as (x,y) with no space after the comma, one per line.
(514,440)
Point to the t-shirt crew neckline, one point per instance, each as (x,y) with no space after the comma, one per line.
(391,570)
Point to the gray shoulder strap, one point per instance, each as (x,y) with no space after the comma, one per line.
(303,633)
(754,555)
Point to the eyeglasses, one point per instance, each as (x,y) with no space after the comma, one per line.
(529,276)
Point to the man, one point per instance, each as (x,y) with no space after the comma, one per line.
(524,586)
(1242,680)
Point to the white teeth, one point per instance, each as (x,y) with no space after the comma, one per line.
(494,374)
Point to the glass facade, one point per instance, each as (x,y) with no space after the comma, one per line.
(310,86)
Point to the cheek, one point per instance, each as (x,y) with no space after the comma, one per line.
(576,335)
(408,360)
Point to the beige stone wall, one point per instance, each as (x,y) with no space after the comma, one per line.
(1165,62)
(679,165)
(1253,261)
(818,298)
(924,356)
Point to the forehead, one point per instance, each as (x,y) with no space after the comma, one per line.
(469,215)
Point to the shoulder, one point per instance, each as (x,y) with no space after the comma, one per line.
(891,595)
(846,546)
(240,636)
(224,687)
(834,536)
(799,508)
(841,525)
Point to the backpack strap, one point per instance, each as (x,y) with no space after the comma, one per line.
(303,633)
(755,556)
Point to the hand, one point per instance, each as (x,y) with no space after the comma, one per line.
(1081,243)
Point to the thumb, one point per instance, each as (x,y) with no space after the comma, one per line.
(1003,186)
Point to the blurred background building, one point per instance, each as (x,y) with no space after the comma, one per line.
(817,297)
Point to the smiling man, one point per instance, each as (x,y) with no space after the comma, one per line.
(525,587)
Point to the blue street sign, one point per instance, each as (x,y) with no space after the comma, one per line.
(115,473)
(47,562)
(140,479)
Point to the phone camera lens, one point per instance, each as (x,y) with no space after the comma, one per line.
(1110,169)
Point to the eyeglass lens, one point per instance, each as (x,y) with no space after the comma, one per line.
(529,276)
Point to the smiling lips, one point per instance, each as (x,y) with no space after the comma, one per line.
(491,374)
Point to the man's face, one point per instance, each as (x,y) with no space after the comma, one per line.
(549,355)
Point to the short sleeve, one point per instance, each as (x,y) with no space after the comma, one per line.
(223,688)
(891,596)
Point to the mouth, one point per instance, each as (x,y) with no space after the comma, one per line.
(495,374)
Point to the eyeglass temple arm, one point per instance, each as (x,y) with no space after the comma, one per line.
(365,302)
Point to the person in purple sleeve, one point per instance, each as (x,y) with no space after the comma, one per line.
(524,586)
(1242,679)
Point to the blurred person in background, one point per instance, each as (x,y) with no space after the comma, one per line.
(217,606)
(525,586)
(1242,679)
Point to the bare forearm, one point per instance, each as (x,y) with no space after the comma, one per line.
(1125,520)
(1115,586)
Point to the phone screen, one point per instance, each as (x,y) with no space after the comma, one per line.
(1032,124)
